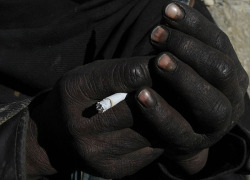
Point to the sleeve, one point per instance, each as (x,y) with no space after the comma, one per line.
(13,126)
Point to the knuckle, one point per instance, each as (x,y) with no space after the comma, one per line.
(136,73)
(225,71)
(195,24)
(187,45)
(71,86)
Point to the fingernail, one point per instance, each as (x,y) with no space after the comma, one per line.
(166,63)
(174,12)
(146,98)
(159,34)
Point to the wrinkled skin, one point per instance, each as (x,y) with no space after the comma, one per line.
(195,104)
(208,81)
(104,143)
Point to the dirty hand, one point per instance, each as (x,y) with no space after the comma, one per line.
(201,90)
(73,136)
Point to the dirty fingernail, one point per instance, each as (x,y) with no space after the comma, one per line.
(166,63)
(146,98)
(174,12)
(159,34)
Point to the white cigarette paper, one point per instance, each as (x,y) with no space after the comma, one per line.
(110,102)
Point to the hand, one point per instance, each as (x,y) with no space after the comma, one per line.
(201,79)
(71,135)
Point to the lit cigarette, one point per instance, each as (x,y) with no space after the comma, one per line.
(110,102)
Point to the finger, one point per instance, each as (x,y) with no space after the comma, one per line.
(192,22)
(129,164)
(116,118)
(211,109)
(111,144)
(210,63)
(100,79)
(168,124)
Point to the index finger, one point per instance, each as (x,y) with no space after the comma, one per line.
(100,79)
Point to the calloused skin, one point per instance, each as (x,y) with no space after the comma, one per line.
(207,85)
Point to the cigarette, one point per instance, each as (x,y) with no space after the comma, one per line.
(110,102)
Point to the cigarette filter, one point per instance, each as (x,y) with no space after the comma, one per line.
(110,102)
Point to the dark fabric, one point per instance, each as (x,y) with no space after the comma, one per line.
(13,125)
(43,39)
(51,37)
